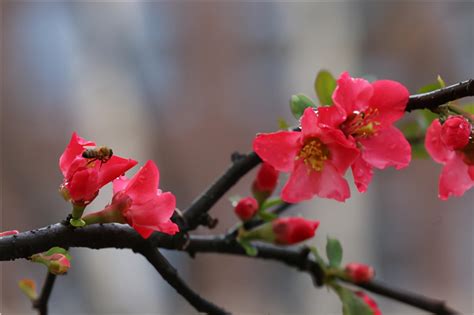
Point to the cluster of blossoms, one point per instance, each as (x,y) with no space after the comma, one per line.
(452,145)
(357,132)
(136,201)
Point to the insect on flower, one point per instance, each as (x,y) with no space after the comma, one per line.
(103,154)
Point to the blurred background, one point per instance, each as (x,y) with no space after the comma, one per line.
(187,84)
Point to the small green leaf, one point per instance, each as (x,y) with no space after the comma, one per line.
(469,108)
(429,87)
(324,85)
(250,250)
(334,252)
(58,250)
(298,103)
(351,303)
(441,82)
(283,124)
(319,260)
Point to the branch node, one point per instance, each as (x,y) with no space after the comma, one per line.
(236,156)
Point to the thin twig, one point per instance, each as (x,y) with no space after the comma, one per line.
(41,303)
(170,274)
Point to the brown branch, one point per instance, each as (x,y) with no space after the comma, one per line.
(41,303)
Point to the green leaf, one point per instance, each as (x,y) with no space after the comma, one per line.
(429,87)
(324,85)
(469,108)
(319,260)
(298,103)
(351,303)
(441,81)
(283,124)
(334,252)
(58,250)
(250,250)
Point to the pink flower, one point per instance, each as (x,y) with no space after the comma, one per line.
(293,230)
(359,272)
(8,233)
(84,177)
(370,302)
(365,112)
(139,202)
(457,175)
(246,208)
(317,158)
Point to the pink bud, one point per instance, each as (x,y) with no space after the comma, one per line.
(360,273)
(266,180)
(455,132)
(7,233)
(59,264)
(370,302)
(246,208)
(293,230)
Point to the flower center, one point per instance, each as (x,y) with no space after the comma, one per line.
(361,124)
(314,153)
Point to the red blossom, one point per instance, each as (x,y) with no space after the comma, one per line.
(365,112)
(246,208)
(370,302)
(457,175)
(359,272)
(455,132)
(317,158)
(82,177)
(293,230)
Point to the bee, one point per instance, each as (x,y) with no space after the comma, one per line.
(103,154)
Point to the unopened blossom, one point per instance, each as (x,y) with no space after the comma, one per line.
(317,158)
(370,302)
(139,202)
(457,175)
(366,112)
(56,263)
(246,208)
(359,273)
(8,233)
(265,182)
(293,230)
(84,177)
(455,132)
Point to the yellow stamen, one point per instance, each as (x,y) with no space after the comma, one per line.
(314,153)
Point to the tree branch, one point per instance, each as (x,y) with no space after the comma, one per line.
(432,100)
(41,303)
(170,274)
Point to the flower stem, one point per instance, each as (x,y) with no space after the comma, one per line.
(458,110)
(77,211)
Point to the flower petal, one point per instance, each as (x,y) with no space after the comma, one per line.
(278,149)
(387,148)
(309,123)
(153,212)
(435,146)
(113,168)
(74,149)
(455,179)
(84,185)
(362,173)
(120,184)
(352,94)
(143,185)
(390,98)
(304,183)
(331,116)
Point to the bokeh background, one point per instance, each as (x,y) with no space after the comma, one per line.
(188,83)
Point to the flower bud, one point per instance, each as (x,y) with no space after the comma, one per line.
(265,182)
(7,233)
(359,273)
(455,132)
(246,208)
(371,303)
(28,287)
(57,263)
(293,230)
